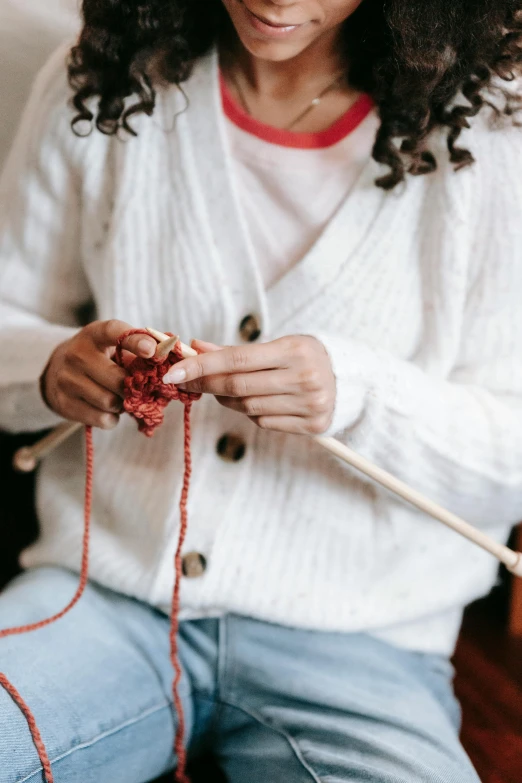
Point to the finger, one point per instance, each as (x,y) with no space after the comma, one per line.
(81,411)
(267,382)
(291,424)
(276,405)
(107,333)
(93,394)
(201,346)
(141,345)
(244,358)
(106,373)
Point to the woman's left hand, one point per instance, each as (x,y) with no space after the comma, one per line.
(286,385)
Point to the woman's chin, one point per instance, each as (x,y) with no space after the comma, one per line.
(272,51)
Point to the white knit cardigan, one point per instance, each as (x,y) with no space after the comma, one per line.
(416,295)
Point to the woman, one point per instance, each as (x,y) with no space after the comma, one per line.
(268,204)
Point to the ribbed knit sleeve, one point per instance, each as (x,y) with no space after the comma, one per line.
(456,438)
(41,282)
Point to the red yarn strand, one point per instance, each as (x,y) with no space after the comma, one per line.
(33,728)
(146,397)
(84,571)
(179,745)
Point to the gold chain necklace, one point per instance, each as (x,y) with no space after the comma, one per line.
(315,102)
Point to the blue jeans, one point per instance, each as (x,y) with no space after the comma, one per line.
(275,705)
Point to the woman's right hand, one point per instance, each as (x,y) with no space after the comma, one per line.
(82,382)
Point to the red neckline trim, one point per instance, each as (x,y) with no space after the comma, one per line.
(285,138)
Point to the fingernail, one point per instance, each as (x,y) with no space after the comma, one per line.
(175,376)
(146,347)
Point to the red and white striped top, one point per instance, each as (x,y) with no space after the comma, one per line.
(291,184)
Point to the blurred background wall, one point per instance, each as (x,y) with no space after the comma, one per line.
(29,31)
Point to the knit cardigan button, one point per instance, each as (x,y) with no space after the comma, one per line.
(194,564)
(231,448)
(250,329)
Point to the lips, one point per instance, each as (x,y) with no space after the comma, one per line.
(270,23)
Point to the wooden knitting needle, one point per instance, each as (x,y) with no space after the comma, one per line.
(27,458)
(165,347)
(162,339)
(511,559)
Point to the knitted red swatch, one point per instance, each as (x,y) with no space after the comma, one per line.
(145,398)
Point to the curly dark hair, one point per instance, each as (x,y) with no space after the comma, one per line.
(426,63)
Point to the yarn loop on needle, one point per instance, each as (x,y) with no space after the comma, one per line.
(145,394)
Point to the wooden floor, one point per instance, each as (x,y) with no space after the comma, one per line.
(489,686)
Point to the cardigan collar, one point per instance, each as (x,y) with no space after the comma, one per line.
(340,243)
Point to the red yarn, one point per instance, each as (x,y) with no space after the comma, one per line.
(33,728)
(145,398)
